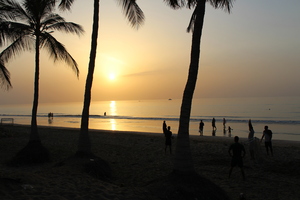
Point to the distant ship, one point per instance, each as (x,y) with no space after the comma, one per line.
(170,99)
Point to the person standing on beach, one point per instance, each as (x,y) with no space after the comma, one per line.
(224,123)
(168,142)
(213,123)
(164,127)
(201,125)
(238,153)
(267,134)
(251,139)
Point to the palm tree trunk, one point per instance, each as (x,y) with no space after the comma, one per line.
(84,144)
(34,136)
(183,162)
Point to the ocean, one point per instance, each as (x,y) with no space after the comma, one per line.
(281,114)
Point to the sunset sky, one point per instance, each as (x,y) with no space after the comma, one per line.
(251,52)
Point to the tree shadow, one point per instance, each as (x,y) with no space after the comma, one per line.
(189,187)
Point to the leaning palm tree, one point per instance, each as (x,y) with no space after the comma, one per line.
(29,26)
(136,18)
(183,159)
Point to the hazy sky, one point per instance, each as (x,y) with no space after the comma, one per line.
(252,52)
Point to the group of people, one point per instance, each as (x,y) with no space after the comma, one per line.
(214,127)
(236,150)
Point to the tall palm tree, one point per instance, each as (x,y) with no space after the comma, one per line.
(30,26)
(183,162)
(136,17)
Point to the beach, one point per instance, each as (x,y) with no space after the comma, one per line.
(138,159)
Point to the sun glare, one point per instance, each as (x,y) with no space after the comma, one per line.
(112,77)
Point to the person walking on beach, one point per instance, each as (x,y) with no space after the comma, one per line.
(267,134)
(201,126)
(213,123)
(237,152)
(168,142)
(164,127)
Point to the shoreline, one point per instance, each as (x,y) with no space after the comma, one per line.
(157,133)
(137,159)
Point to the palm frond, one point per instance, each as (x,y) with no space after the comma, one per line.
(224,4)
(12,10)
(10,31)
(133,12)
(175,4)
(38,8)
(190,27)
(65,4)
(23,43)
(57,51)
(56,22)
(4,77)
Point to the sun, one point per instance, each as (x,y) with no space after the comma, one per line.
(112,76)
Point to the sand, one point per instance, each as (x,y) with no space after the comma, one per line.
(136,160)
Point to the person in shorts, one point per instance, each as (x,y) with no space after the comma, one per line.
(267,134)
(237,152)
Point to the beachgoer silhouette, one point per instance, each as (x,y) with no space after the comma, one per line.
(224,130)
(250,124)
(237,152)
(201,126)
(229,129)
(213,132)
(267,134)
(213,123)
(224,123)
(164,127)
(168,142)
(251,139)
(104,113)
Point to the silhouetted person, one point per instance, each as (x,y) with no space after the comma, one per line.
(168,142)
(229,130)
(237,152)
(250,124)
(213,132)
(201,126)
(224,131)
(104,114)
(164,127)
(251,140)
(224,123)
(267,134)
(213,123)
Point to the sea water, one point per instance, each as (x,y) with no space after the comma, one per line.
(281,114)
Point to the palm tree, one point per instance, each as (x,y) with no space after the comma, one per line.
(30,26)
(183,163)
(136,18)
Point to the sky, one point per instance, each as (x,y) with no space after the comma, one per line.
(251,52)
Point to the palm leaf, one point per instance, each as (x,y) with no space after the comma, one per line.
(23,43)
(133,12)
(65,4)
(57,51)
(4,77)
